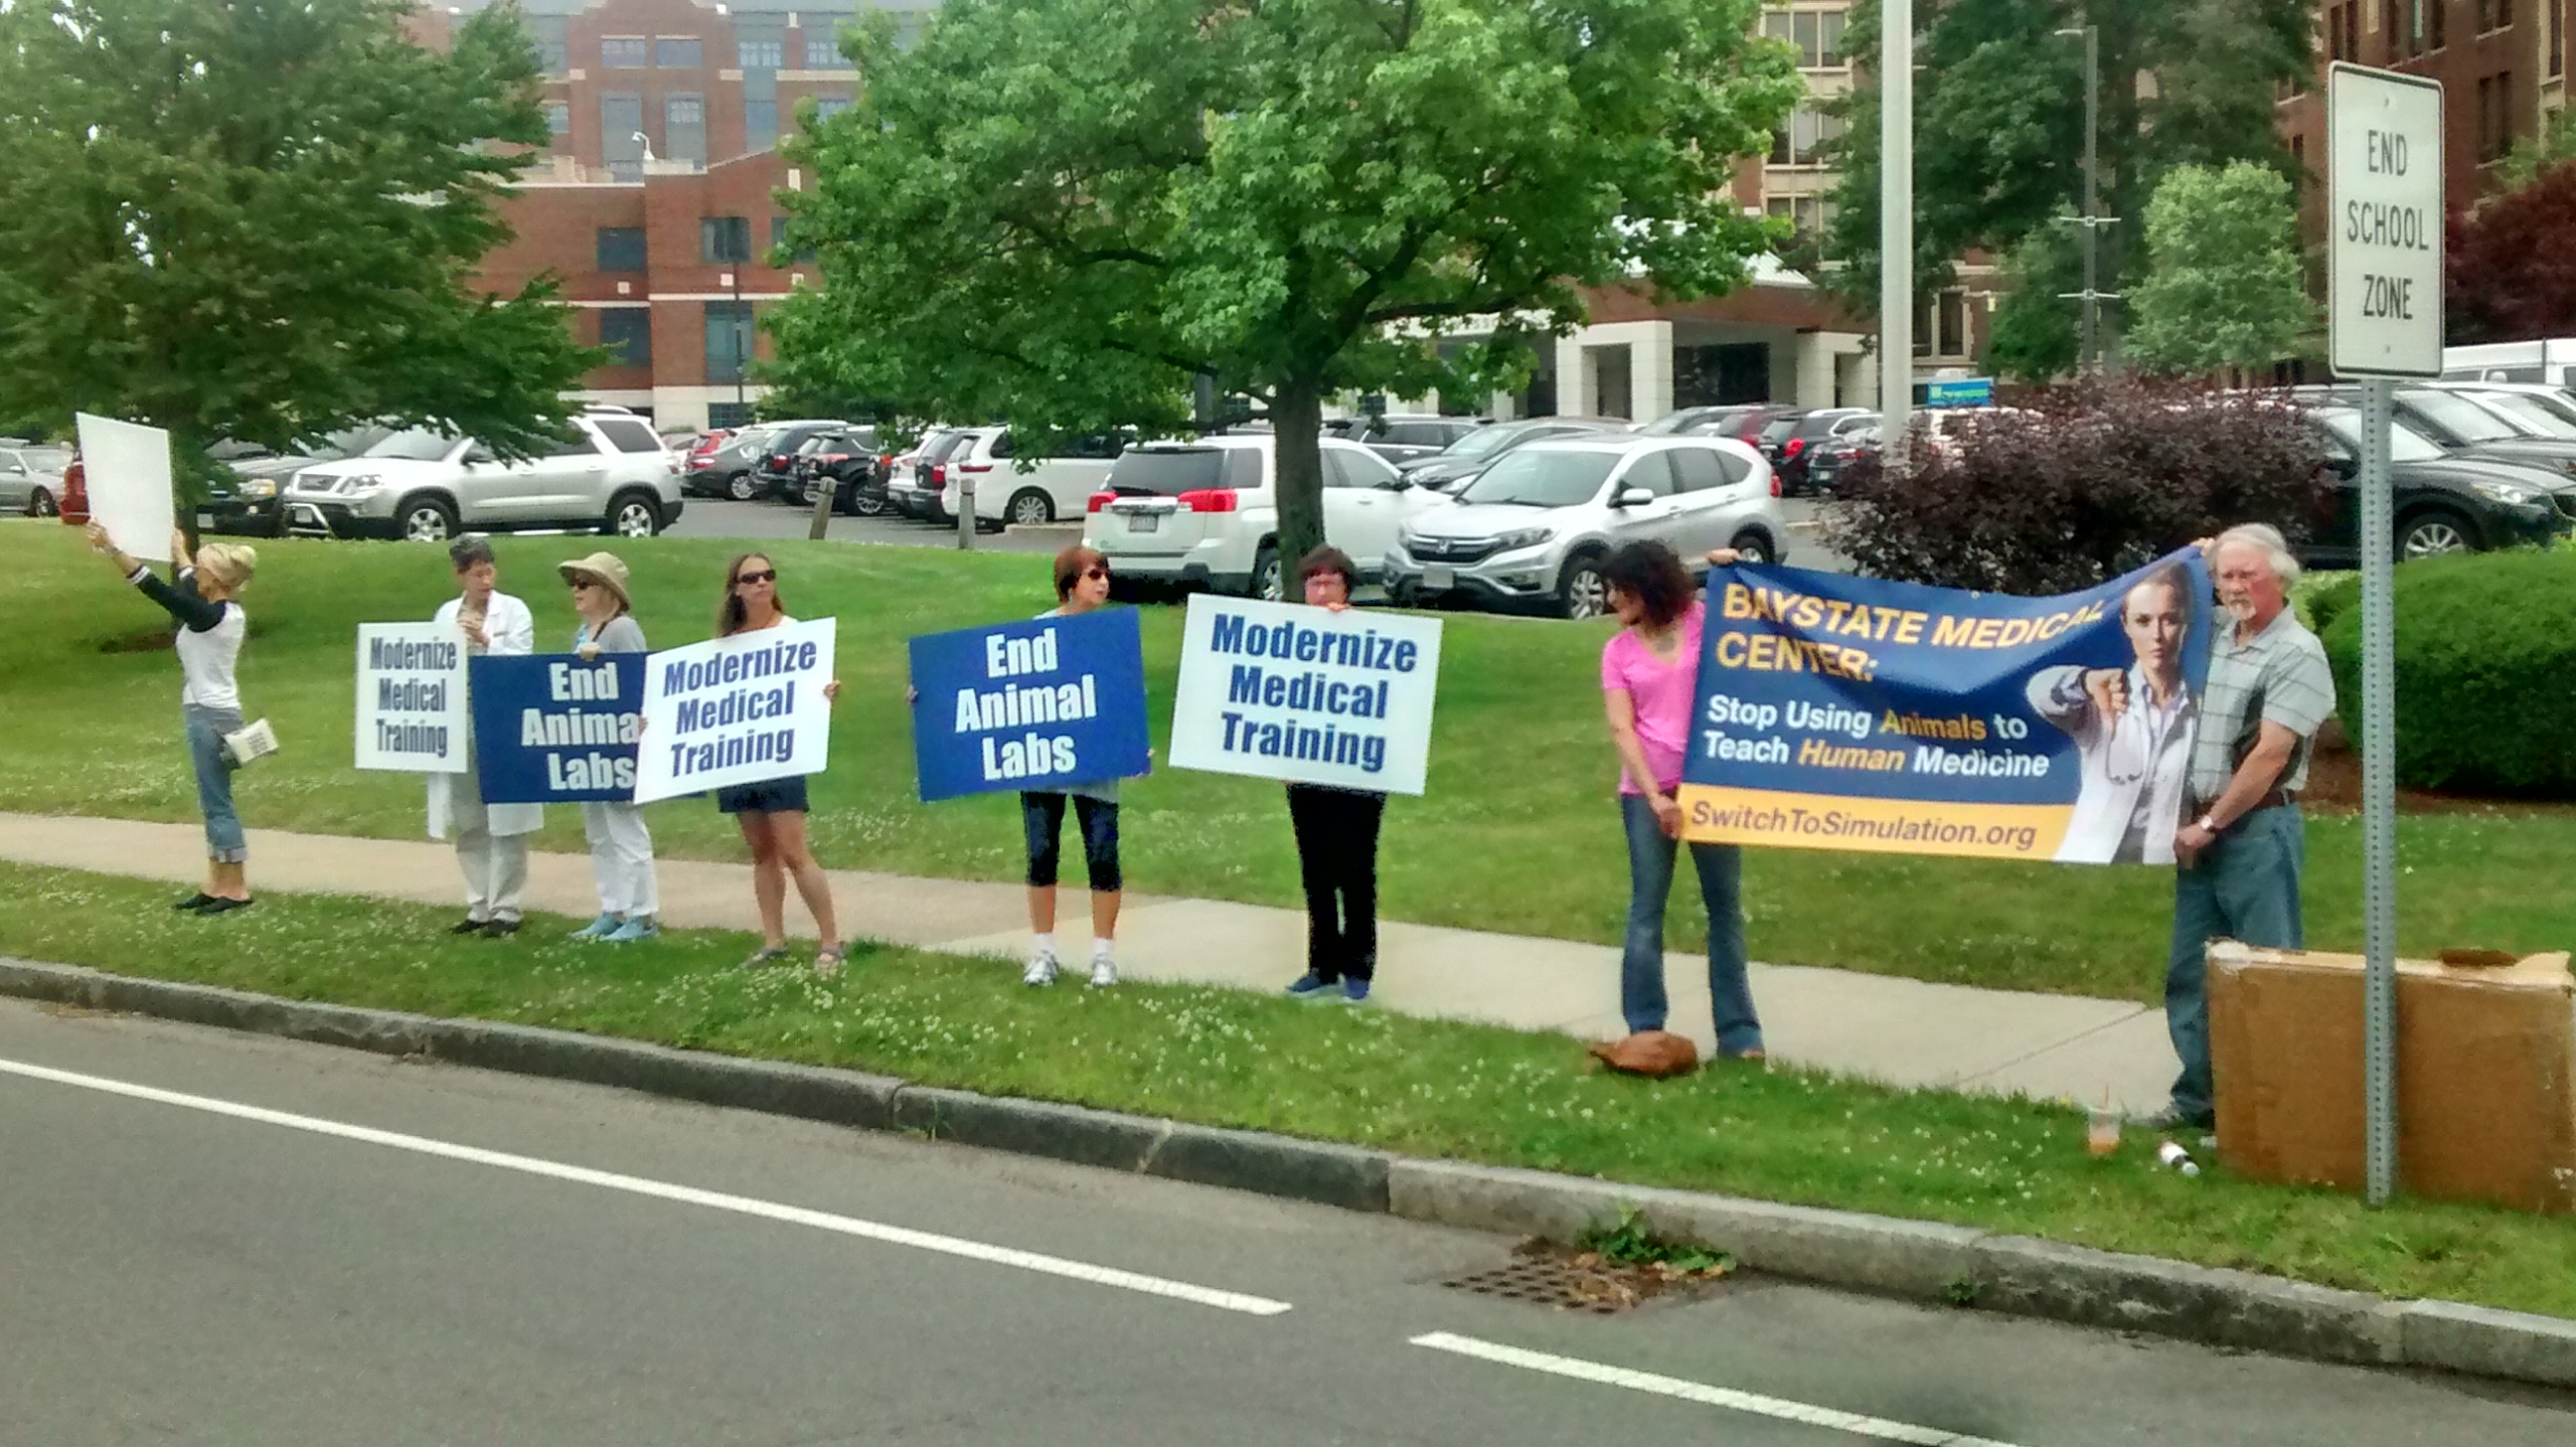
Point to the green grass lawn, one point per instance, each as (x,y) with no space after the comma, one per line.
(1236,1058)
(1517,833)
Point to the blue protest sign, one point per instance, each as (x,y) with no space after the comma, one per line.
(1036,705)
(550,728)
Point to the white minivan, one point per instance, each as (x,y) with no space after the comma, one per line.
(1024,493)
(1205,514)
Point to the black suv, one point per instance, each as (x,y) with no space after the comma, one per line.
(845,460)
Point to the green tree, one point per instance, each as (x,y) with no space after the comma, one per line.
(260,219)
(1066,213)
(1999,132)
(2223,286)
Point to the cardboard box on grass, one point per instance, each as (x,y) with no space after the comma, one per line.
(2486,1074)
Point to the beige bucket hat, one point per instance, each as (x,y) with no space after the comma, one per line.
(604,568)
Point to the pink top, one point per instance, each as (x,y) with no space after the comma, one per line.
(1662,693)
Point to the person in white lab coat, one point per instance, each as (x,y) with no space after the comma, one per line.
(2132,729)
(491,839)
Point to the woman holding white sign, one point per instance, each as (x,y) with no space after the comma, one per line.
(772,813)
(1649,680)
(621,848)
(1337,831)
(199,597)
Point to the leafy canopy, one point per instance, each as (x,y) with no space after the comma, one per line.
(1064,213)
(260,219)
(2512,276)
(2223,286)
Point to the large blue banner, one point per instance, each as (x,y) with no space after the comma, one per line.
(1036,705)
(550,728)
(1844,713)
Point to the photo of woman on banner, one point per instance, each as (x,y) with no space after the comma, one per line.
(491,840)
(621,848)
(771,814)
(2132,728)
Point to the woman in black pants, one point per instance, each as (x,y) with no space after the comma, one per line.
(1336,842)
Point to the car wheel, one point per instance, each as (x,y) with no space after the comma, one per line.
(1756,547)
(1266,582)
(1583,592)
(41,504)
(739,487)
(633,515)
(2431,534)
(867,504)
(1031,507)
(425,520)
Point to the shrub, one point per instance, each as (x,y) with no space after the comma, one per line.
(2486,650)
(2075,485)
(2329,596)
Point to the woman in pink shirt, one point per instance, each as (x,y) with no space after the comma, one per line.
(1649,675)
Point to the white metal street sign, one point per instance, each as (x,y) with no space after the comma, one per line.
(2384,288)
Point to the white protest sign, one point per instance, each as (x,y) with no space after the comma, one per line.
(2384,271)
(412,713)
(739,710)
(126,469)
(1304,694)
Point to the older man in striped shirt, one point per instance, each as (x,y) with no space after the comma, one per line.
(2239,856)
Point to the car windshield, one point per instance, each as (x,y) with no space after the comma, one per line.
(2535,413)
(1544,478)
(2463,418)
(1779,431)
(2403,445)
(415,444)
(1486,441)
(1166,471)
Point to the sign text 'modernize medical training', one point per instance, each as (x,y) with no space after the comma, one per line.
(1306,695)
(737,710)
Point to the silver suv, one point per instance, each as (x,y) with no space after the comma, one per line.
(1535,527)
(610,474)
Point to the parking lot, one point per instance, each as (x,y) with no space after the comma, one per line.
(719,518)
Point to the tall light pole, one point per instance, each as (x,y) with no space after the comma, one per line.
(1895,226)
(2092,220)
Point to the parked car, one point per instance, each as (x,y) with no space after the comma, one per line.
(1026,492)
(1742,421)
(774,473)
(1401,438)
(1205,514)
(844,460)
(1449,468)
(31,480)
(610,473)
(2460,425)
(2445,502)
(1787,446)
(250,501)
(919,495)
(1829,459)
(75,501)
(2545,410)
(725,470)
(1534,528)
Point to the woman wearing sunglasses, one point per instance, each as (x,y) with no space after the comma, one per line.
(772,814)
(1081,584)
(621,848)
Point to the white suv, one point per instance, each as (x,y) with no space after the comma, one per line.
(1024,492)
(1206,513)
(1536,526)
(612,475)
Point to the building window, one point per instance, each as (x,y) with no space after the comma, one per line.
(823,52)
(2495,115)
(729,344)
(729,414)
(2557,47)
(1808,214)
(1801,142)
(627,331)
(2494,15)
(2433,18)
(558,118)
(1941,325)
(759,124)
(553,58)
(622,52)
(778,239)
(684,128)
(621,138)
(2343,31)
(766,52)
(724,238)
(828,106)
(679,52)
(621,248)
(1817,35)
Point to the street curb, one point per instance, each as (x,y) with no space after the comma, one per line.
(1918,1260)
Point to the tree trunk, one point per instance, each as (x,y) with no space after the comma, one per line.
(1297,425)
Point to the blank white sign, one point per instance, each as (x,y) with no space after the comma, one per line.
(127,471)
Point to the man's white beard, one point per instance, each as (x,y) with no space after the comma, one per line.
(2240,609)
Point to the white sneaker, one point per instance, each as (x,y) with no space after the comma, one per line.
(1041,970)
(1104,972)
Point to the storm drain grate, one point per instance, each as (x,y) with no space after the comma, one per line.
(1547,1282)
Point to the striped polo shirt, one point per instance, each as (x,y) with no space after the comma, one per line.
(2277,676)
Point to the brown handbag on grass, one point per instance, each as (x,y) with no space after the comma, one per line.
(1658,1053)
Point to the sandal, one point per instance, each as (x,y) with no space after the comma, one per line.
(763,958)
(828,960)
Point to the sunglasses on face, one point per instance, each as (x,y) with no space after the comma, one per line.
(1095,575)
(577,584)
(761,575)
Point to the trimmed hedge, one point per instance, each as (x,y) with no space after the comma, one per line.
(2486,672)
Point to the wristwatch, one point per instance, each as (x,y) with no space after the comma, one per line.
(2205,823)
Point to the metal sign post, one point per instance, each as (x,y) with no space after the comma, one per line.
(1895,228)
(2384,317)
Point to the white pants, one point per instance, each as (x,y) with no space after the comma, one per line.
(621,857)
(495,865)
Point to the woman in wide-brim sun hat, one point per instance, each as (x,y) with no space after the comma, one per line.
(621,848)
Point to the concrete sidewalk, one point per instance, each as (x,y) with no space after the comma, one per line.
(1905,1032)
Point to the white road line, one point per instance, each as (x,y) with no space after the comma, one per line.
(665,1191)
(1689,1391)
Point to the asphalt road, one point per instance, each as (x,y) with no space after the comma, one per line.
(407,1253)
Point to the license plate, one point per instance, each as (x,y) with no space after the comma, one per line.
(205,520)
(1437,578)
(1144,522)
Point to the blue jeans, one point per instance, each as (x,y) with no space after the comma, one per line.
(206,728)
(2245,887)
(1641,965)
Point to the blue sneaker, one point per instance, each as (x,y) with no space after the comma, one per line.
(598,929)
(1311,986)
(1355,992)
(639,927)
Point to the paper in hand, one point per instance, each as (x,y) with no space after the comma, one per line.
(127,467)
